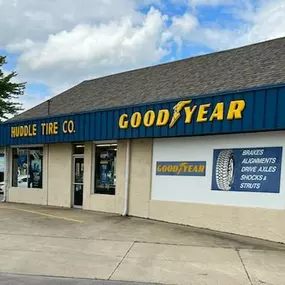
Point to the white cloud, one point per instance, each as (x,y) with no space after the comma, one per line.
(184,24)
(64,42)
(258,22)
(196,3)
(90,51)
(20,46)
(30,100)
(266,21)
(34,19)
(187,29)
(182,27)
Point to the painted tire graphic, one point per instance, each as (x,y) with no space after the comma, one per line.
(225,170)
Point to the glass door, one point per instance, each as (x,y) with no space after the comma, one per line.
(77,181)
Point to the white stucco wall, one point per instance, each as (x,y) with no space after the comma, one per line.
(56,191)
(59,174)
(183,200)
(190,201)
(140,177)
(100,202)
(261,223)
(194,189)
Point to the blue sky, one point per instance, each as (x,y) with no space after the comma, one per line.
(54,45)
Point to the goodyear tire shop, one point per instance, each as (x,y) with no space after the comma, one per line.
(198,142)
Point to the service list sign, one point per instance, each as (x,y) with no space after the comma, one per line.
(247,169)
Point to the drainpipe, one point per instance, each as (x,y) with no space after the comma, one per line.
(46,186)
(128,151)
(5,174)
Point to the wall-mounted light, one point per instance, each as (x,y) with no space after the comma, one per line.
(105,145)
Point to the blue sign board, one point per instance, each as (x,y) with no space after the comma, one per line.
(181,168)
(247,169)
(253,110)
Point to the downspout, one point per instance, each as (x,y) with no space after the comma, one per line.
(6,157)
(127,169)
(47,173)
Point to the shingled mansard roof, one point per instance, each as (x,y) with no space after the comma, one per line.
(240,68)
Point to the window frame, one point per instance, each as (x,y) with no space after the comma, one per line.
(10,178)
(93,166)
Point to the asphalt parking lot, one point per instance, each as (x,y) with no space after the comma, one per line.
(52,242)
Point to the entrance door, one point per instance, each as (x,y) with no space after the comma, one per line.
(77,181)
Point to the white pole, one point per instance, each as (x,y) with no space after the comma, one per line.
(128,151)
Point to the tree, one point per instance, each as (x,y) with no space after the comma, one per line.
(9,92)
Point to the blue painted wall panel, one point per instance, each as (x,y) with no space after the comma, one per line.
(156,130)
(263,111)
(236,125)
(98,126)
(197,127)
(142,133)
(115,128)
(110,125)
(148,130)
(270,108)
(226,125)
(121,133)
(247,122)
(172,132)
(207,126)
(128,131)
(259,110)
(104,125)
(280,118)
(164,129)
(135,131)
(215,126)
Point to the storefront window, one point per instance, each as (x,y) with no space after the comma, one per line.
(27,167)
(105,169)
(2,167)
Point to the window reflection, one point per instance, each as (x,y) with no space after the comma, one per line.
(105,169)
(27,167)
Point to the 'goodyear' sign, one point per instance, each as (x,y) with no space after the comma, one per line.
(181,168)
(162,117)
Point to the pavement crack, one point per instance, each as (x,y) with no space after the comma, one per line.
(118,265)
(244,267)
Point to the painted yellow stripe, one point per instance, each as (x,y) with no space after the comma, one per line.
(48,215)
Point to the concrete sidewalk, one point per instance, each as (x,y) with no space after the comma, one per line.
(74,243)
(17,279)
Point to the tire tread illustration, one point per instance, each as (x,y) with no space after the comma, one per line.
(224,179)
